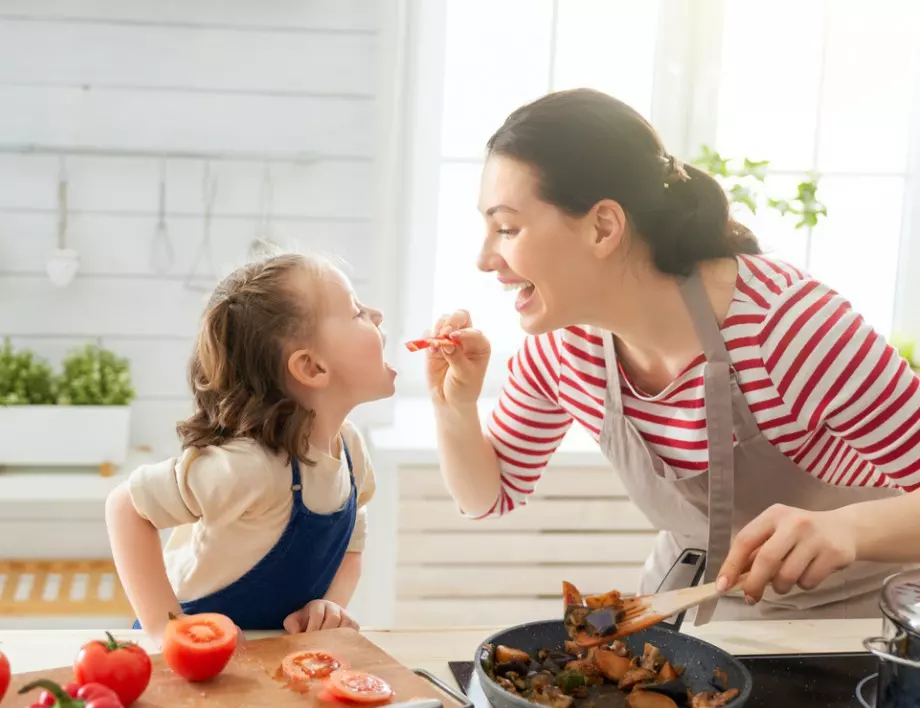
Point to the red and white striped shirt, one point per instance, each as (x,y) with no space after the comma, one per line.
(825,388)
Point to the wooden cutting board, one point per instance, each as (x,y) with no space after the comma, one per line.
(249,679)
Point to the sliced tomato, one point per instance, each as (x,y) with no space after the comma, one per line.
(311,664)
(199,647)
(358,686)
(419,344)
(327,696)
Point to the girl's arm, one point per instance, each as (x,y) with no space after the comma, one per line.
(139,560)
(346,580)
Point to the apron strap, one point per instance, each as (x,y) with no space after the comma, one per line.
(717,382)
(613,397)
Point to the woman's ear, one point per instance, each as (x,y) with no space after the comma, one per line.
(307,370)
(608,227)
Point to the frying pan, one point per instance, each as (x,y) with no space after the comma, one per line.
(699,659)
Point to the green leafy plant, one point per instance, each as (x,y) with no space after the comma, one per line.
(93,376)
(745,184)
(25,379)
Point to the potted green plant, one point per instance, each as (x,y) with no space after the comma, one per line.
(744,182)
(80,416)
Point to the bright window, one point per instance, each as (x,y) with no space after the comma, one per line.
(824,86)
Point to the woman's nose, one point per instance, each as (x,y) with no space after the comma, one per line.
(488,259)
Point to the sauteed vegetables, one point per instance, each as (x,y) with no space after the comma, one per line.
(557,678)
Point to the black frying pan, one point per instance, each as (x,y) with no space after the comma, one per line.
(699,659)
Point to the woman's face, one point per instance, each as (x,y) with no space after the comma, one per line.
(535,248)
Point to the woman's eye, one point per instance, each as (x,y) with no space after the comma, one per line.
(504,231)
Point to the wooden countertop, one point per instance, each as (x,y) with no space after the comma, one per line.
(431,649)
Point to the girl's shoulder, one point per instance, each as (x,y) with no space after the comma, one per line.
(237,457)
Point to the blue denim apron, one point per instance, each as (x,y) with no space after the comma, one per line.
(298,569)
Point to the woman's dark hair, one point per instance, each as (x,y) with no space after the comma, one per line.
(587,146)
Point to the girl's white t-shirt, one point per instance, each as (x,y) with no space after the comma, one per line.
(229,505)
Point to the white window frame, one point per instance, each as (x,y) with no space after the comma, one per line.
(684,111)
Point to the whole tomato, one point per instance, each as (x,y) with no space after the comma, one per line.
(122,666)
(4,674)
(91,695)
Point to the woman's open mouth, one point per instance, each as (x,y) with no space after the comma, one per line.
(525,290)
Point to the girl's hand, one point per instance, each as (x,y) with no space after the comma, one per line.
(316,615)
(785,547)
(456,372)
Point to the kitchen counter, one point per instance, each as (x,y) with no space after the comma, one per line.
(431,649)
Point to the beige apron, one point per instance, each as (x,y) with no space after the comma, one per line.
(706,509)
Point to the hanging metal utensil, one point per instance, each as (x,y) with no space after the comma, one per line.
(264,243)
(162,256)
(209,193)
(64,262)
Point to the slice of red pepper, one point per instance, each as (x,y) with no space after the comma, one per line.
(90,695)
(419,344)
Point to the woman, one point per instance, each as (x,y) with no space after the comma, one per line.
(655,322)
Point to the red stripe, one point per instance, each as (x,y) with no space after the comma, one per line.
(661,420)
(582,334)
(776,269)
(587,378)
(771,286)
(543,425)
(780,312)
(553,370)
(537,374)
(793,329)
(870,379)
(752,294)
(837,382)
(517,463)
(821,369)
(573,384)
(523,436)
(579,406)
(583,355)
(891,407)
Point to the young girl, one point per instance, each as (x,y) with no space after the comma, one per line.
(268,496)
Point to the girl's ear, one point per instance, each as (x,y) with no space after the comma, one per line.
(307,369)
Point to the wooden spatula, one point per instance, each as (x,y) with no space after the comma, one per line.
(628,615)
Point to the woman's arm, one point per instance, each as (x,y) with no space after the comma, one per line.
(138,559)
(491,472)
(836,374)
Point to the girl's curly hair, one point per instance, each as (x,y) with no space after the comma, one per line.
(237,368)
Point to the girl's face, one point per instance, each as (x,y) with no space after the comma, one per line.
(546,255)
(347,346)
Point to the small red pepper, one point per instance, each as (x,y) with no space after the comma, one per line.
(90,695)
(418,344)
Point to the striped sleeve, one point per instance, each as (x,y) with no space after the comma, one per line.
(838,376)
(528,423)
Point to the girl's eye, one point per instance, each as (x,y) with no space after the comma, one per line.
(504,231)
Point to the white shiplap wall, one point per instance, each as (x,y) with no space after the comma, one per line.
(275,75)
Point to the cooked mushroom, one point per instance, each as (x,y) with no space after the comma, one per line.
(634,677)
(611,664)
(650,657)
(720,679)
(512,667)
(713,699)
(645,699)
(503,655)
(667,673)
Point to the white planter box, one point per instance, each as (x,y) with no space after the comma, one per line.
(64,435)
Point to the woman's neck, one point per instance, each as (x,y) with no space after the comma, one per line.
(645,311)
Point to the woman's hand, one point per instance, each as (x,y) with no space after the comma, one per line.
(456,372)
(785,547)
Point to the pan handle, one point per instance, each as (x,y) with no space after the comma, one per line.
(438,683)
(686,572)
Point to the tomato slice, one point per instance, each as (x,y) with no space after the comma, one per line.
(199,647)
(310,664)
(358,686)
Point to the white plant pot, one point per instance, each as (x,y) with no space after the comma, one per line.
(64,435)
